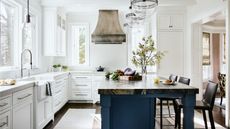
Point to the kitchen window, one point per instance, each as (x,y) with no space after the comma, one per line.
(207,72)
(9,34)
(80,44)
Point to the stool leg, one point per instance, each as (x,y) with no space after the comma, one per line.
(161,119)
(176,117)
(221,100)
(179,118)
(211,119)
(205,119)
(169,108)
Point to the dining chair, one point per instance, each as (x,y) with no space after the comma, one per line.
(221,83)
(184,80)
(167,99)
(206,104)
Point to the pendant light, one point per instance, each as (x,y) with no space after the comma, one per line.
(144,4)
(28,12)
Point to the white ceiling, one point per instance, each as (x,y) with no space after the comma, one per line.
(94,5)
(217,20)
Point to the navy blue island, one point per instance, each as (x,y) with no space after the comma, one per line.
(131,104)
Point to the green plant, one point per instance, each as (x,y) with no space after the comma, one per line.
(146,54)
(58,65)
(65,67)
(55,66)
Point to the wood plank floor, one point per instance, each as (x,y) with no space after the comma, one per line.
(218,114)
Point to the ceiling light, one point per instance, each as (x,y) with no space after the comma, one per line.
(144,4)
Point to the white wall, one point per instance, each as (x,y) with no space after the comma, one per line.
(112,56)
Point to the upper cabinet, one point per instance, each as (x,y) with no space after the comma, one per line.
(170,21)
(54,32)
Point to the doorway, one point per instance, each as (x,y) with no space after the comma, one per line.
(214,54)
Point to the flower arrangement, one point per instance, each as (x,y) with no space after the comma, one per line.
(146,54)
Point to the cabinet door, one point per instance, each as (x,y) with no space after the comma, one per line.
(48,108)
(172,62)
(177,21)
(5,120)
(23,115)
(40,116)
(164,22)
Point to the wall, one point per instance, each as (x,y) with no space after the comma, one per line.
(112,56)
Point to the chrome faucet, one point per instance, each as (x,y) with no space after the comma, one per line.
(31,62)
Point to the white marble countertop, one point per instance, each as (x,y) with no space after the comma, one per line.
(110,87)
(20,85)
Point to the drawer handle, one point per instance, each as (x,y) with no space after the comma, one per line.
(81,94)
(81,85)
(58,92)
(24,97)
(3,105)
(3,124)
(59,82)
(81,77)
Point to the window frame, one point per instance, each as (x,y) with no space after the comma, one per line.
(17,36)
(209,34)
(72,56)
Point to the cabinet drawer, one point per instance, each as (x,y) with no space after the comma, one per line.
(80,85)
(81,78)
(22,95)
(5,120)
(5,102)
(81,95)
(57,90)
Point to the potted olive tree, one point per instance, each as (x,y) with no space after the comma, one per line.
(146,54)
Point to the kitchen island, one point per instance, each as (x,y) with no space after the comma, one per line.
(131,104)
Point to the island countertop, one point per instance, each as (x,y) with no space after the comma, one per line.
(146,86)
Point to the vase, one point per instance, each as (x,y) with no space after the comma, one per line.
(144,70)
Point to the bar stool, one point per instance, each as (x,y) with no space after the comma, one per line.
(206,103)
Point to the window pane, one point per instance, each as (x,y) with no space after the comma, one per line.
(206,49)
(80,42)
(6,34)
(225,52)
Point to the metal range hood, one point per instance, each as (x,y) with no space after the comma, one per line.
(108,29)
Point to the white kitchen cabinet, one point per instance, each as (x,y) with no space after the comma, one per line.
(5,120)
(173,61)
(81,86)
(54,33)
(44,112)
(98,81)
(170,21)
(60,89)
(6,112)
(23,109)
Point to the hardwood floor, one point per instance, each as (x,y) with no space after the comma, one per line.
(218,114)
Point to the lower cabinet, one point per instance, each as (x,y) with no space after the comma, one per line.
(5,120)
(59,89)
(44,113)
(23,109)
